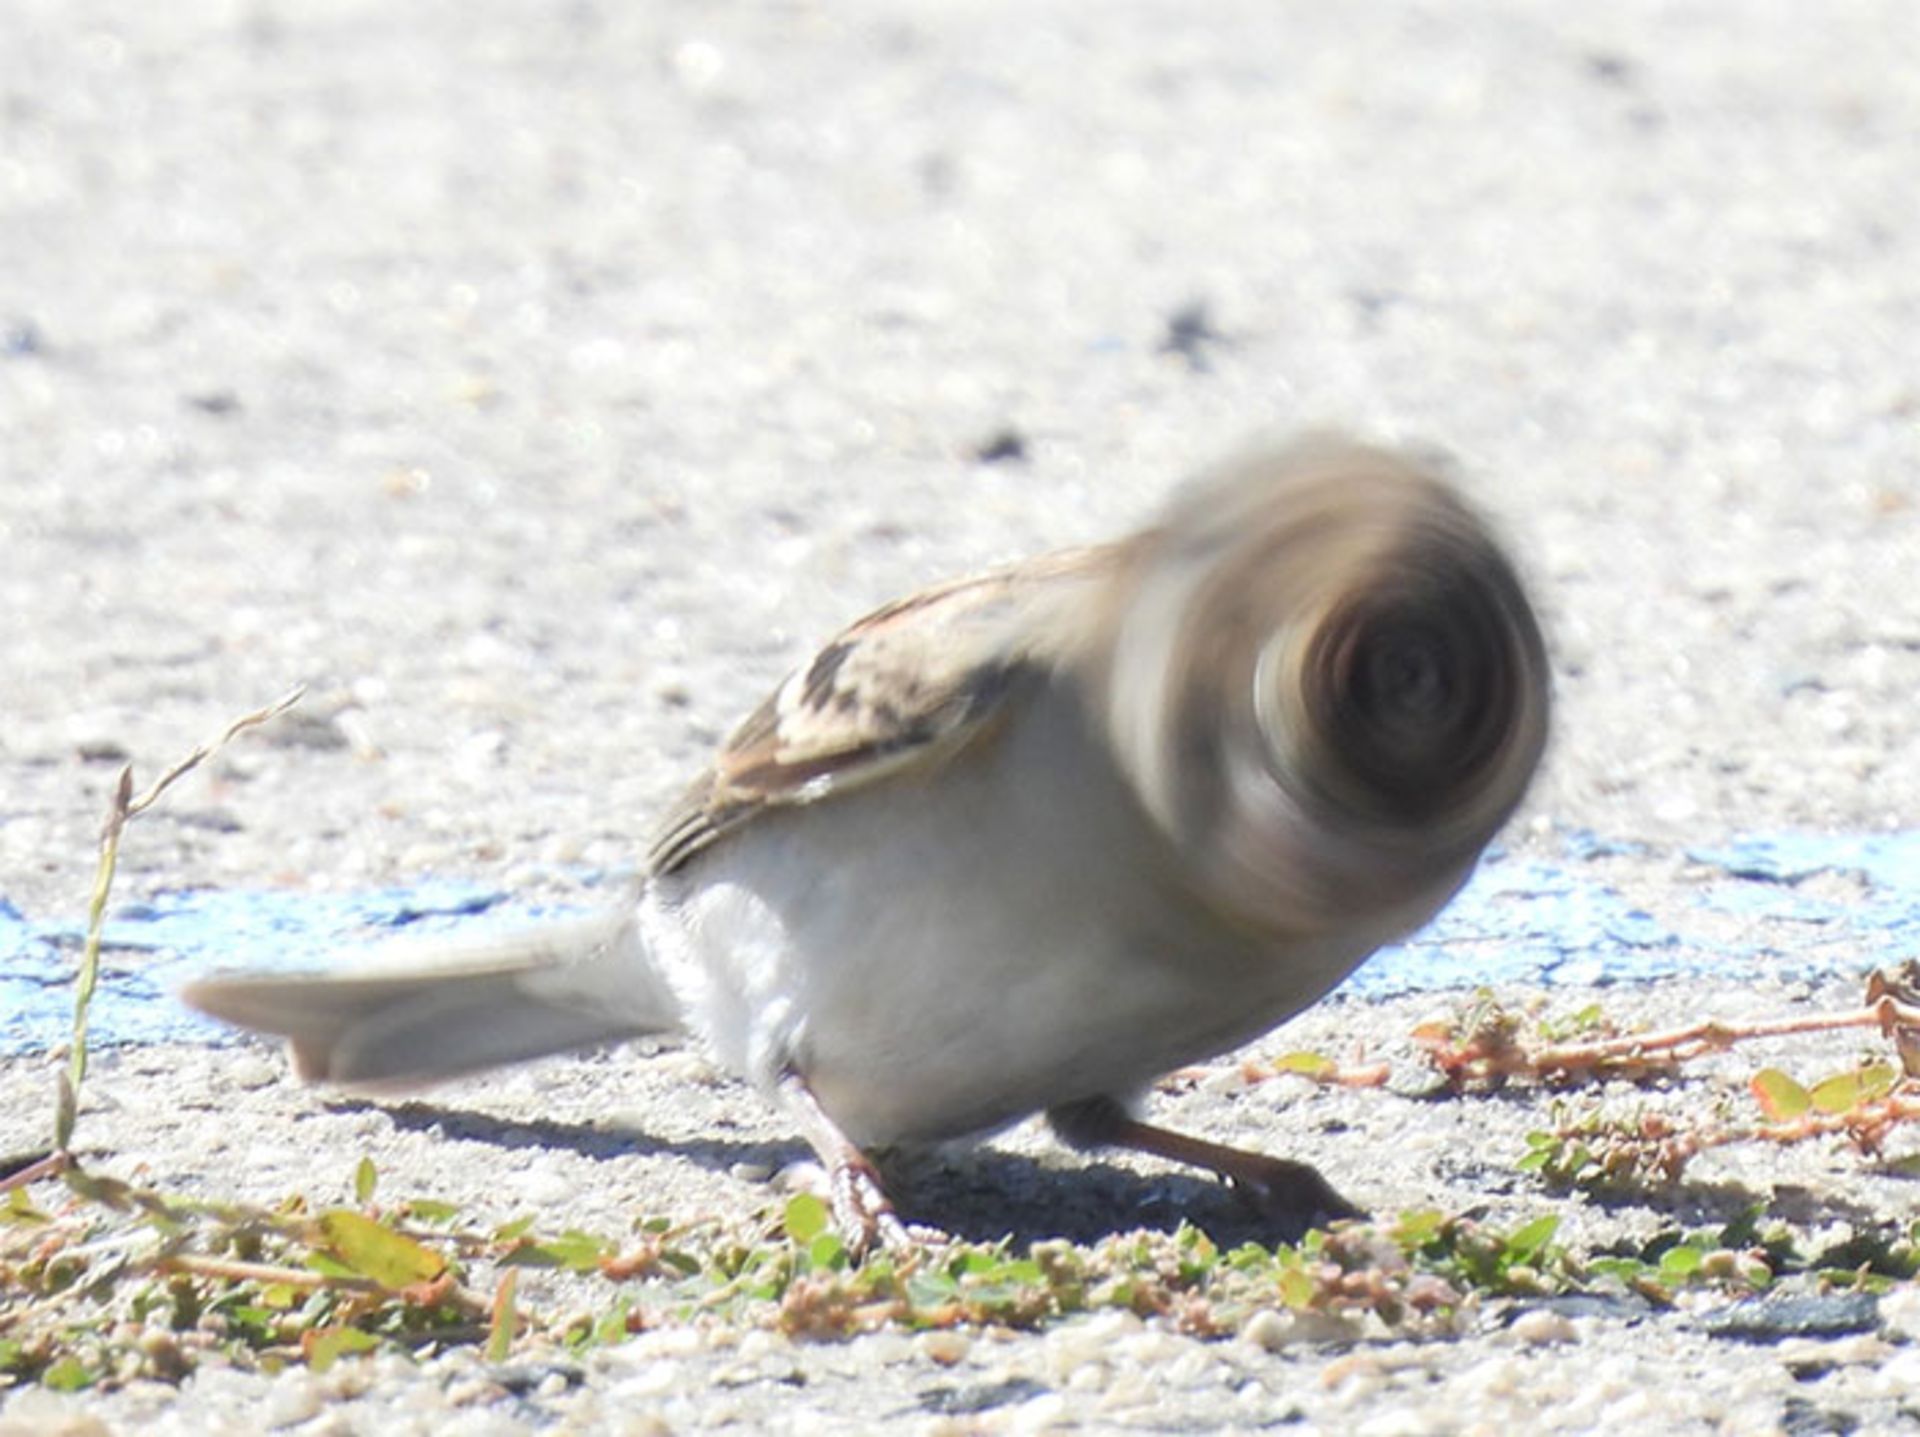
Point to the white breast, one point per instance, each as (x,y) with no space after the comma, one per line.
(940,954)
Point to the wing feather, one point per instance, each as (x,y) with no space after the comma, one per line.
(911,684)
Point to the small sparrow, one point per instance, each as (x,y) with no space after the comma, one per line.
(1027,841)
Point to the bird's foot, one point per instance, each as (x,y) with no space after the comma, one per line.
(1288,1192)
(862,1211)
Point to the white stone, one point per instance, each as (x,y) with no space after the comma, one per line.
(1539,1327)
(943,1346)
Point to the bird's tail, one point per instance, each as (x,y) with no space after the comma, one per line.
(418,1012)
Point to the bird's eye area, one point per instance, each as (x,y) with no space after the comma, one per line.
(1407,695)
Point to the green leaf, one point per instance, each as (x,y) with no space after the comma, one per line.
(611,1327)
(69,1374)
(1025,1269)
(378,1252)
(1627,1270)
(826,1252)
(1527,1243)
(1844,1092)
(806,1217)
(1853,1279)
(366,1177)
(682,1262)
(1307,1064)
(1418,1227)
(1878,1079)
(1682,1261)
(1588,1020)
(1779,1096)
(332,1343)
(573,1250)
(327,1265)
(255,1322)
(1296,1288)
(931,1289)
(1837,1094)
(508,1231)
(428,1210)
(505,1320)
(20,1210)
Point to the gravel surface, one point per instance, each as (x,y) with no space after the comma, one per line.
(536,382)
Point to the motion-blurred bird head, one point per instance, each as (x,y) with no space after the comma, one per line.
(1328,688)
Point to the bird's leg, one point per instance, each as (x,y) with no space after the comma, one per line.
(861,1208)
(1282,1188)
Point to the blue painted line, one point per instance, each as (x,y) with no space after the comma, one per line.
(1744,908)
(148,949)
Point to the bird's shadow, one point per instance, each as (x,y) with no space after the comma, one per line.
(983,1194)
(980,1194)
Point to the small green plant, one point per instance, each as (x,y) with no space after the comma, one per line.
(122,809)
(125,1282)
(1485,1044)
(1598,1149)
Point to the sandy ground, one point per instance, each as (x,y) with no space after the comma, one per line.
(535,384)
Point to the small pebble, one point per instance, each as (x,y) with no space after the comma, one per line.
(542,1186)
(1900,1312)
(332,1422)
(34,1414)
(943,1346)
(1090,1377)
(1399,1422)
(677,1342)
(472,1391)
(1494,1377)
(1045,1413)
(1267,1329)
(655,1379)
(251,1071)
(683,1065)
(1152,1345)
(1861,1349)
(1538,1327)
(759,1343)
(290,1401)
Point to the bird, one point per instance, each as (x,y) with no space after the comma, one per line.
(1025,842)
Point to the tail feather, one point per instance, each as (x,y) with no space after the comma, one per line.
(418,1013)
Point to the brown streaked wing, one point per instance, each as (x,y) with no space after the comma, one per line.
(909,684)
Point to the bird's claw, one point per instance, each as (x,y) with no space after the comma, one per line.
(1290,1191)
(863,1211)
